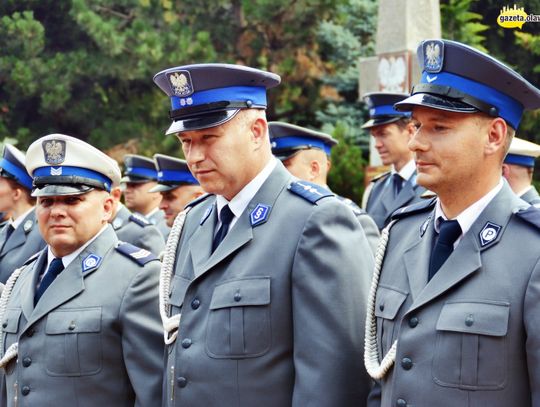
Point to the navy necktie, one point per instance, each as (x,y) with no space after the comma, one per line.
(398,183)
(226,217)
(449,231)
(55,268)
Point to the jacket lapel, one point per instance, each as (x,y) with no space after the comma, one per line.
(18,237)
(200,243)
(28,289)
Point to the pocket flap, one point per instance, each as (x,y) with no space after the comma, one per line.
(10,324)
(475,317)
(388,302)
(239,293)
(179,286)
(74,320)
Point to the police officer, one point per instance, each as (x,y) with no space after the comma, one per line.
(270,274)
(392,131)
(19,238)
(518,169)
(455,316)
(306,154)
(176,185)
(133,227)
(140,176)
(80,321)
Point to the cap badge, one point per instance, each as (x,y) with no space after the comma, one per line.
(28,226)
(55,151)
(489,233)
(90,261)
(433,56)
(259,214)
(181,83)
(56,171)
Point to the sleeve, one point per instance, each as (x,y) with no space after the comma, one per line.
(365,197)
(531,316)
(330,281)
(142,336)
(371,230)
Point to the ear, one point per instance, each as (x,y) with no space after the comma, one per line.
(108,205)
(505,170)
(496,136)
(314,170)
(17,194)
(259,131)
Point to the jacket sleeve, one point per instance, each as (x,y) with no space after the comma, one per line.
(142,337)
(531,316)
(330,281)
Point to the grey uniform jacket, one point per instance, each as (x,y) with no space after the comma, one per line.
(24,242)
(274,317)
(94,338)
(380,203)
(158,220)
(368,224)
(136,229)
(471,336)
(531,196)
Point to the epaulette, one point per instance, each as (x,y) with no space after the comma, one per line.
(378,177)
(198,200)
(419,207)
(309,191)
(139,220)
(530,215)
(138,255)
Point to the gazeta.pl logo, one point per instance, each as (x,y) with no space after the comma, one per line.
(515,17)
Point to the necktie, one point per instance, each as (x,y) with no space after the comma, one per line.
(449,231)
(226,217)
(55,268)
(398,183)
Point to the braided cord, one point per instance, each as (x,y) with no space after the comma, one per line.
(371,351)
(172,323)
(12,351)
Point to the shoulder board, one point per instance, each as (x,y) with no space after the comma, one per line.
(309,191)
(138,255)
(380,176)
(198,200)
(139,220)
(419,207)
(355,208)
(530,215)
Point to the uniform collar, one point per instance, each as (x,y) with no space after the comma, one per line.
(15,223)
(407,171)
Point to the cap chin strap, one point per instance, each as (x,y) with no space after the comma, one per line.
(189,111)
(371,351)
(11,352)
(171,324)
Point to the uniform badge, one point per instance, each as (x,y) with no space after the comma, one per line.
(117,223)
(181,83)
(54,151)
(140,254)
(91,261)
(489,232)
(259,214)
(56,171)
(433,56)
(27,227)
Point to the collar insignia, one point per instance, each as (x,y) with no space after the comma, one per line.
(27,227)
(91,261)
(489,233)
(259,215)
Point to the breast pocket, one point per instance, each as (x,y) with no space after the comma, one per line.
(471,351)
(239,320)
(74,342)
(387,304)
(10,326)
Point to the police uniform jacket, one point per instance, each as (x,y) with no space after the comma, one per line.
(136,229)
(471,336)
(23,242)
(531,196)
(381,204)
(274,317)
(158,220)
(94,337)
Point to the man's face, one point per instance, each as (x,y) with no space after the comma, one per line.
(138,199)
(298,166)
(448,149)
(391,143)
(222,158)
(68,222)
(174,201)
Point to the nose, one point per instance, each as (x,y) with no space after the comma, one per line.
(378,143)
(419,141)
(194,153)
(57,209)
(163,204)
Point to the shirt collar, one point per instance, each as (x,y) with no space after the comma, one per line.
(407,171)
(15,223)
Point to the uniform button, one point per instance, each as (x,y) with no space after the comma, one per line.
(186,343)
(401,403)
(196,303)
(27,361)
(181,381)
(25,390)
(381,307)
(71,327)
(237,297)
(413,321)
(469,320)
(406,363)
(4,325)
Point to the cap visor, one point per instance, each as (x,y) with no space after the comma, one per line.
(164,187)
(434,102)
(204,121)
(286,154)
(380,121)
(60,190)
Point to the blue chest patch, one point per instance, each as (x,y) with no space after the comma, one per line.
(91,261)
(138,255)
(309,191)
(259,215)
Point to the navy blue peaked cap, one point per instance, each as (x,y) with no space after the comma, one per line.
(207,95)
(381,108)
(12,166)
(288,139)
(138,169)
(172,172)
(459,78)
